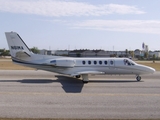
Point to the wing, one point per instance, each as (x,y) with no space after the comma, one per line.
(87,72)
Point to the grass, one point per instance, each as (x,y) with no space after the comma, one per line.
(63,119)
(67,119)
(9,65)
(155,65)
(45,119)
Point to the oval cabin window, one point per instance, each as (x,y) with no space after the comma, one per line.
(95,62)
(105,62)
(111,62)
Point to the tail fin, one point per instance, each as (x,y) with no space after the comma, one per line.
(16,45)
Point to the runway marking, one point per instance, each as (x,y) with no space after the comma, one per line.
(76,94)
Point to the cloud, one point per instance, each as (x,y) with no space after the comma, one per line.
(137,26)
(58,8)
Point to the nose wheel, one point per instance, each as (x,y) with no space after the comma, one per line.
(138,78)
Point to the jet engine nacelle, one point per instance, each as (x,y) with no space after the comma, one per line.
(63,63)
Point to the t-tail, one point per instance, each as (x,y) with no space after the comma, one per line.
(18,49)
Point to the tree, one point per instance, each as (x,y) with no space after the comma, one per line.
(154,57)
(131,53)
(146,55)
(4,52)
(35,50)
(78,54)
(126,52)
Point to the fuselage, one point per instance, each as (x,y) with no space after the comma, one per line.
(69,65)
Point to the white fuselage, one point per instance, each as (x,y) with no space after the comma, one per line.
(71,66)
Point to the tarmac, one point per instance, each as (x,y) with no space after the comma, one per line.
(40,94)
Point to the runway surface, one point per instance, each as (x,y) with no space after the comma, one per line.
(39,94)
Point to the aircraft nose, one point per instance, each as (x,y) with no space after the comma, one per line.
(147,69)
(151,70)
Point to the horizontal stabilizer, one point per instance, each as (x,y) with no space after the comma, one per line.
(22,54)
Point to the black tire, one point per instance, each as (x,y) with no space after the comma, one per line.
(78,76)
(138,78)
(85,82)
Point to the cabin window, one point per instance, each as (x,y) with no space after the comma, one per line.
(89,62)
(105,62)
(84,62)
(125,62)
(100,62)
(111,62)
(129,63)
(95,62)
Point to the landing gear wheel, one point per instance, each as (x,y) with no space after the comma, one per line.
(85,81)
(138,78)
(78,76)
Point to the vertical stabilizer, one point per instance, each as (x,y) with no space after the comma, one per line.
(16,45)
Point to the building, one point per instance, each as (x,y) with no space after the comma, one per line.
(103,53)
(138,53)
(61,52)
(47,52)
(156,53)
(88,53)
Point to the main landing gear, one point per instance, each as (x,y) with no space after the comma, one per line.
(77,76)
(84,78)
(138,78)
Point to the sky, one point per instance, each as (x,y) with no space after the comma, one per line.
(82,24)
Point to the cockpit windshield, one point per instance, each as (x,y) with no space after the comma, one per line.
(128,62)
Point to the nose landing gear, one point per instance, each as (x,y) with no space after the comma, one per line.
(138,78)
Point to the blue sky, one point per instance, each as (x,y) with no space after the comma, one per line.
(82,24)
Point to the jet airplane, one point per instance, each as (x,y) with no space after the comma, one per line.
(75,67)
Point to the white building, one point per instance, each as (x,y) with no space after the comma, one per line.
(61,52)
(138,53)
(156,53)
(103,54)
(88,53)
(43,52)
(47,52)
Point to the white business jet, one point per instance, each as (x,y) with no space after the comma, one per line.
(75,67)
